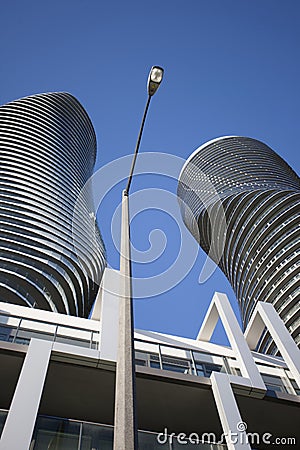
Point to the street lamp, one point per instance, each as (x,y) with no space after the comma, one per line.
(154,79)
(125,431)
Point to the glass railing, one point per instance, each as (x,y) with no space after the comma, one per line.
(54,433)
(179,359)
(199,363)
(156,355)
(3,415)
(186,366)
(20,330)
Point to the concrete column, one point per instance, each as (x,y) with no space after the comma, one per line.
(232,424)
(125,433)
(23,410)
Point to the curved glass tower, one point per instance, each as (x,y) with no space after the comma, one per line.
(47,152)
(256,193)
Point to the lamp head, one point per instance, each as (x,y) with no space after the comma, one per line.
(155,78)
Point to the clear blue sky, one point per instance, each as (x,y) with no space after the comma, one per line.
(231,67)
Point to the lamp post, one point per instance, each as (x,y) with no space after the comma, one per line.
(125,431)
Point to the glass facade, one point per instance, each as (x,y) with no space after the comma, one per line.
(53,433)
(3,415)
(240,201)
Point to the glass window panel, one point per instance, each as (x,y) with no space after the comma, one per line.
(175,352)
(202,357)
(10,321)
(273,383)
(274,387)
(96,437)
(55,434)
(205,369)
(147,347)
(8,326)
(67,335)
(48,328)
(141,355)
(7,333)
(296,387)
(3,415)
(74,333)
(200,370)
(140,362)
(22,340)
(24,336)
(73,341)
(147,359)
(176,365)
(209,368)
(141,359)
(155,365)
(148,441)
(154,361)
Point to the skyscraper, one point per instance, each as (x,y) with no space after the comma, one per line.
(256,193)
(50,259)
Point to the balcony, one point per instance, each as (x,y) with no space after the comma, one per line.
(53,433)
(20,330)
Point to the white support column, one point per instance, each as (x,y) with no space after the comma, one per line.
(210,320)
(232,424)
(23,410)
(266,315)
(220,307)
(109,315)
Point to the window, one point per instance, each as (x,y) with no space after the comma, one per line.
(206,369)
(273,383)
(296,387)
(177,365)
(6,333)
(154,361)
(141,359)
(147,360)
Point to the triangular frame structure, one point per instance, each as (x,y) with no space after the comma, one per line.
(264,315)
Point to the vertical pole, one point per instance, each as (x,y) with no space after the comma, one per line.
(125,432)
